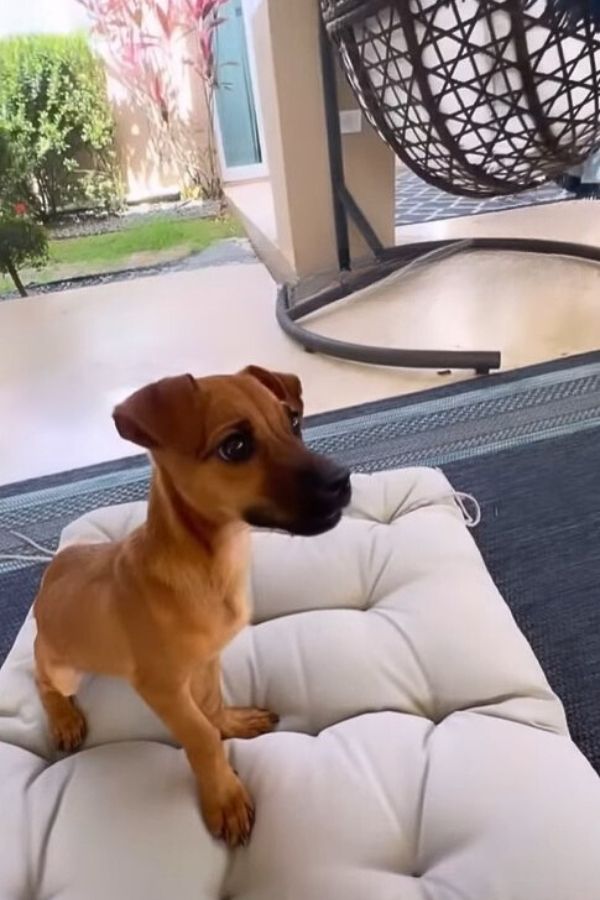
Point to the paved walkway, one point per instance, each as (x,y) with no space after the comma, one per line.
(221,253)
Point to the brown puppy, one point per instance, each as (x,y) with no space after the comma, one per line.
(158,607)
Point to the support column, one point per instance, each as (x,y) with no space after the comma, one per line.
(286,35)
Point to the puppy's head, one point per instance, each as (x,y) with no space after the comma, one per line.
(231,446)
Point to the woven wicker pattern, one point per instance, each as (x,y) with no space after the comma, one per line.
(478,97)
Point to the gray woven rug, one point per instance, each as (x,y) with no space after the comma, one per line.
(527,445)
(417,201)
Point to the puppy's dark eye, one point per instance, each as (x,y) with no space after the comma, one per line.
(236,448)
(295,422)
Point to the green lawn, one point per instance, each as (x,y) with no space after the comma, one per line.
(143,244)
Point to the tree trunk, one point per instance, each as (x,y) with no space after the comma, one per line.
(15,277)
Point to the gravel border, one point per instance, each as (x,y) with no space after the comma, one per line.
(85,224)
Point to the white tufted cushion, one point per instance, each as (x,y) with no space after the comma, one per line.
(421,754)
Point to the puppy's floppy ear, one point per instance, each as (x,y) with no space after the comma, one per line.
(162,414)
(286,387)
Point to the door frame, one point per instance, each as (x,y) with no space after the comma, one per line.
(256,170)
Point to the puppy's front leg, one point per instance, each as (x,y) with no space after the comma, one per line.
(231,721)
(226,805)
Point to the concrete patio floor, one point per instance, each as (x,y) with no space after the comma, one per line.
(68,358)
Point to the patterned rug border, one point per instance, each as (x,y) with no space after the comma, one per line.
(456,390)
(442,397)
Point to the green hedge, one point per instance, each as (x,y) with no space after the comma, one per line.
(53,104)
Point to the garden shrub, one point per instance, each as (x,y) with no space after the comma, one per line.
(53,103)
(22,241)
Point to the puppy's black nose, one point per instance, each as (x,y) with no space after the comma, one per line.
(327,480)
(337,481)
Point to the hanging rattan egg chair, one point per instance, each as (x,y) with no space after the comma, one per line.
(478,97)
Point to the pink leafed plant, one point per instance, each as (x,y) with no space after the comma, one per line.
(140,39)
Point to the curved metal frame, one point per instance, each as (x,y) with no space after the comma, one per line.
(388,260)
(396,258)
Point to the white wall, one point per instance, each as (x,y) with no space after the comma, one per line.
(47,16)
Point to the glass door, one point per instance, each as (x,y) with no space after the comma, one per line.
(238,117)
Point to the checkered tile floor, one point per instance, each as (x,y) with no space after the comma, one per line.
(418,202)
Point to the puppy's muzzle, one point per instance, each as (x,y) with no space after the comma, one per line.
(307,498)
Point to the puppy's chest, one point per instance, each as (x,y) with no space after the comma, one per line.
(213,605)
(224,605)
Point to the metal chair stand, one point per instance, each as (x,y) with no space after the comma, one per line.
(387,260)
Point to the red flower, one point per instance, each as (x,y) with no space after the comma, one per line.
(20,209)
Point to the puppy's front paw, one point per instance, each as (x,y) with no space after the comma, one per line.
(68,726)
(246,722)
(228,810)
